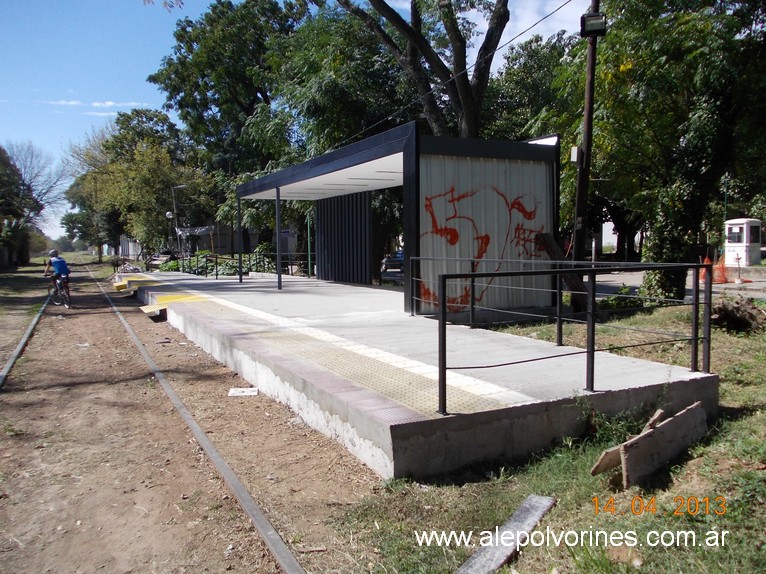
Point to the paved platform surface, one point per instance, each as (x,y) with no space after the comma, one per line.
(362,335)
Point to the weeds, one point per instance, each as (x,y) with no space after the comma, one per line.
(604,430)
(624,299)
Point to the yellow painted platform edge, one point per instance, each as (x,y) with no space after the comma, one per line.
(176,297)
(164,300)
(154,308)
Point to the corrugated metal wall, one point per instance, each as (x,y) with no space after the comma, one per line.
(483,214)
(344,238)
(129,248)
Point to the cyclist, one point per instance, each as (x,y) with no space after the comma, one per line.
(60,269)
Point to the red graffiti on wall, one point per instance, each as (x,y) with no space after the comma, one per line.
(524,239)
(451,218)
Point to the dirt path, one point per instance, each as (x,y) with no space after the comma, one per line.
(98,472)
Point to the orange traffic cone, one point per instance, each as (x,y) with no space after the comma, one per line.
(719,271)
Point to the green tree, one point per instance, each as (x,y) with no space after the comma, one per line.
(742,187)
(432,48)
(147,186)
(130,176)
(141,127)
(338,82)
(335,82)
(16,198)
(669,81)
(14,239)
(665,130)
(524,87)
(340,85)
(221,71)
(92,223)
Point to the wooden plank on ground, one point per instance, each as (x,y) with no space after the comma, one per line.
(650,451)
(490,558)
(658,416)
(610,458)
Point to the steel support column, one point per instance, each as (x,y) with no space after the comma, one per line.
(279,240)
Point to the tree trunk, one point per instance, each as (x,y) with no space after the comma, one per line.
(465,95)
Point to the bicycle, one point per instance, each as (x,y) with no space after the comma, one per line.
(58,293)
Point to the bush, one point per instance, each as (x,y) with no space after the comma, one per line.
(228,268)
(170,266)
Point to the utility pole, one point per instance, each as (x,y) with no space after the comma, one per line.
(592,25)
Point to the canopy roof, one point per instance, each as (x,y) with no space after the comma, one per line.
(378,162)
(373,163)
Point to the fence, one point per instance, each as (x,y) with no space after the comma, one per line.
(259,262)
(584,294)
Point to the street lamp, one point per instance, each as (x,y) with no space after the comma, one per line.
(169,217)
(592,24)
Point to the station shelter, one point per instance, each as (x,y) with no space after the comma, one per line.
(468,205)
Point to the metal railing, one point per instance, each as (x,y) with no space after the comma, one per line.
(559,271)
(216,265)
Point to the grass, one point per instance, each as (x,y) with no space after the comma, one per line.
(730,464)
(22,292)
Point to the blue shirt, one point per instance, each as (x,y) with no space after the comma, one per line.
(59,266)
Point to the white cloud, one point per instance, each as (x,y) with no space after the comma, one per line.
(65,103)
(101,114)
(111,104)
(558,15)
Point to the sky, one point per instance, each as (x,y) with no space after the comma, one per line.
(68,66)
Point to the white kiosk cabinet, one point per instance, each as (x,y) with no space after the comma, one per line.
(743,242)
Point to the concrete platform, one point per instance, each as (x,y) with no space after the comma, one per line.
(355,366)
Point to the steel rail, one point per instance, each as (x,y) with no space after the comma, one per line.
(270,536)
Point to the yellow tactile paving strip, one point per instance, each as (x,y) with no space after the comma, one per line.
(409,389)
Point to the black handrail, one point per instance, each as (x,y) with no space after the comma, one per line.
(569,268)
